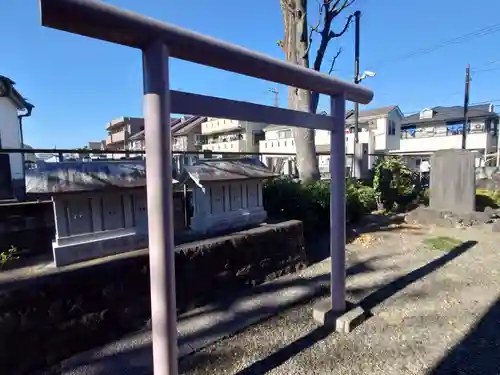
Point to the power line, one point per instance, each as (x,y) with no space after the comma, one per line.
(456,40)
(484,70)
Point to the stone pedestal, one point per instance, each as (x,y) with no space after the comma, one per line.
(339,321)
(452,181)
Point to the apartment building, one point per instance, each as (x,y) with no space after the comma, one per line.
(186,135)
(120,130)
(441,128)
(231,135)
(378,127)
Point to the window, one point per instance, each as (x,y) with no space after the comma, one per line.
(200,139)
(283,134)
(257,137)
(391,128)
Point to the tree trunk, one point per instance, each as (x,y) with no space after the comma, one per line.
(296,44)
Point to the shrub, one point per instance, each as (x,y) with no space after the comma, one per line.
(8,256)
(487,198)
(394,183)
(310,203)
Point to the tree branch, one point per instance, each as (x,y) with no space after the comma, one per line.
(334,60)
(314,29)
(332,8)
(333,35)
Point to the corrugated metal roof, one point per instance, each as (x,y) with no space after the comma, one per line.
(51,178)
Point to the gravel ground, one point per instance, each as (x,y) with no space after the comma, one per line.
(433,312)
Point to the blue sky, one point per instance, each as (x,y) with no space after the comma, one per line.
(78,84)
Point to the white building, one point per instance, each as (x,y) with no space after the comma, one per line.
(379,128)
(13,108)
(441,128)
(231,135)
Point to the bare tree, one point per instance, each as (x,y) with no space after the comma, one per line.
(296,45)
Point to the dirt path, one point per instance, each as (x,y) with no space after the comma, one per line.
(434,312)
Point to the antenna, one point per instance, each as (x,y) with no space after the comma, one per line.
(276,96)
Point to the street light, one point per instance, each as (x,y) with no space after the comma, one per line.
(356,152)
(365,74)
(358,79)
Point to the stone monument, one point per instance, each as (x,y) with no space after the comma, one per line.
(452,181)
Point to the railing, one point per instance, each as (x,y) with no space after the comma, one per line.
(283,163)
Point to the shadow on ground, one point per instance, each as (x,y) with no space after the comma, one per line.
(318,248)
(117,363)
(478,352)
(368,303)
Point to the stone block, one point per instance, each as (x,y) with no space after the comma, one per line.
(340,321)
(452,181)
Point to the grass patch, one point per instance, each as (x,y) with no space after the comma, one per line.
(442,243)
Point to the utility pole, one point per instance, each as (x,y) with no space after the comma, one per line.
(276,96)
(357,15)
(466,106)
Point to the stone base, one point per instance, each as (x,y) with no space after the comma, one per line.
(341,321)
(233,220)
(74,249)
(448,219)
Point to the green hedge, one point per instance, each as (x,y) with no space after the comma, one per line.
(310,203)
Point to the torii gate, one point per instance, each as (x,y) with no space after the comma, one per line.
(158,43)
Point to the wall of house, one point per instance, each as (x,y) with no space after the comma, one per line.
(392,141)
(10,136)
(251,129)
(180,143)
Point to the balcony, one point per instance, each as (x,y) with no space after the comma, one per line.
(221,126)
(116,122)
(116,137)
(477,141)
(284,145)
(231,146)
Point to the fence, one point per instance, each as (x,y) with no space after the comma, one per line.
(284,163)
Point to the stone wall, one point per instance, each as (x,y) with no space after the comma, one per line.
(49,317)
(27,226)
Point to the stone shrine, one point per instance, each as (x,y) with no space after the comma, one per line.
(227,194)
(100,208)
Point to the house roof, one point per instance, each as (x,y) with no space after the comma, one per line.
(226,170)
(7,89)
(189,125)
(451,114)
(373,113)
(382,111)
(179,126)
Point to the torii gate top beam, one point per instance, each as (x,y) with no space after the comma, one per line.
(106,22)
